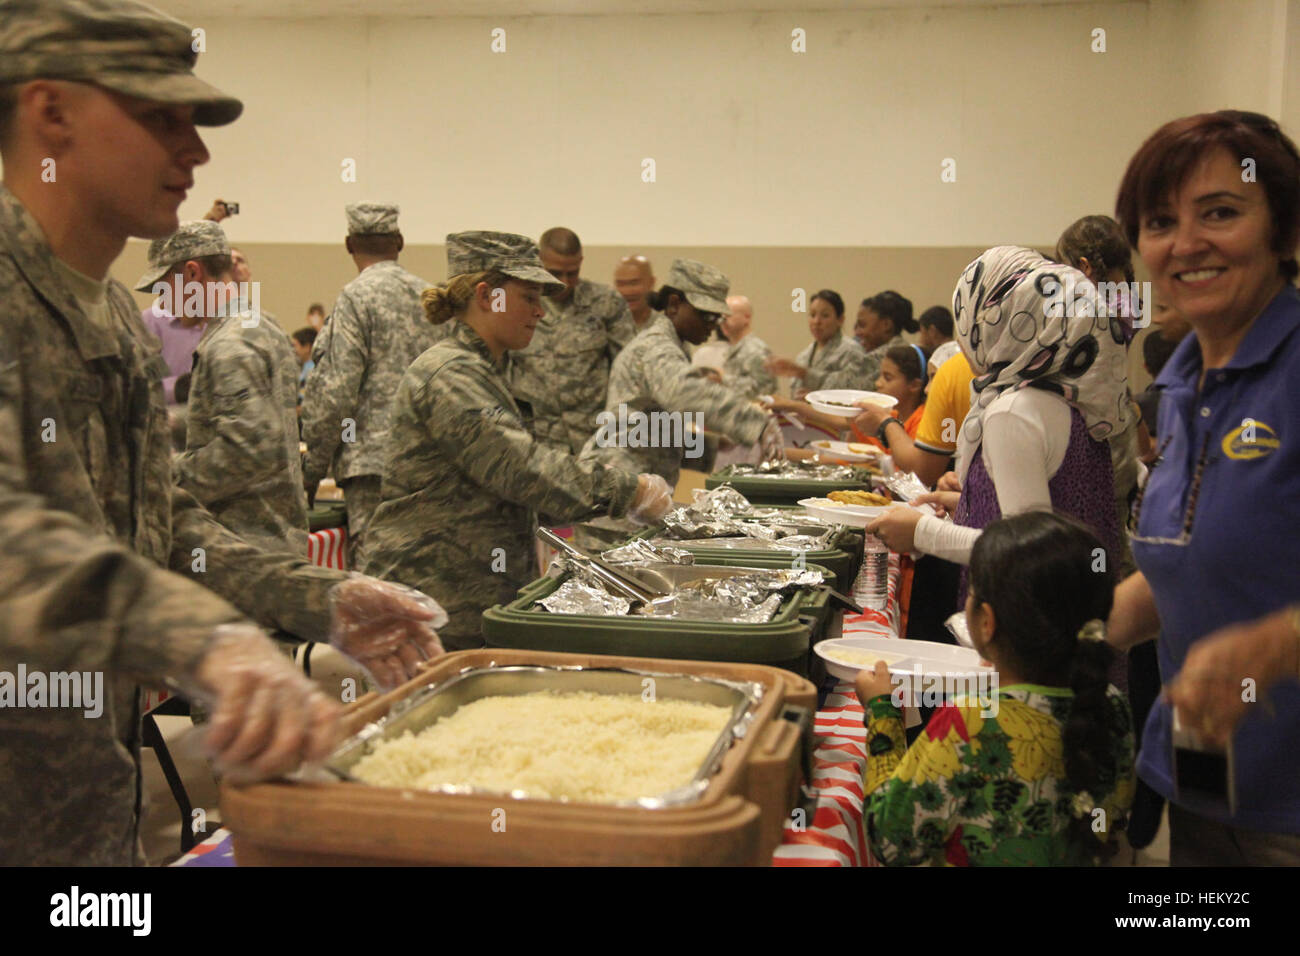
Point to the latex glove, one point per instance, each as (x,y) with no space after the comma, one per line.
(389,629)
(780,366)
(772,442)
(654,499)
(267,717)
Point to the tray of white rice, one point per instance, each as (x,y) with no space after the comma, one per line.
(594,735)
(513,757)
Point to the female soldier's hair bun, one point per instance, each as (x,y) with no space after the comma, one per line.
(451,298)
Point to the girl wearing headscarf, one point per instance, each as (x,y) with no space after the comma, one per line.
(1049,390)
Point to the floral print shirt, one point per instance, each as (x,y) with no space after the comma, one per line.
(977,789)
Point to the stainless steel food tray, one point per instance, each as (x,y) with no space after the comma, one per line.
(436,701)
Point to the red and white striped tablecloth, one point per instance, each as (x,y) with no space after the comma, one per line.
(836,835)
(328,548)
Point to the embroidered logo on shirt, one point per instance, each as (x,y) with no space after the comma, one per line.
(1251,439)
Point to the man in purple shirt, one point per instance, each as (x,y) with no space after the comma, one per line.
(179,339)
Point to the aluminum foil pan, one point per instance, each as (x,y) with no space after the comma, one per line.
(576,597)
(797,469)
(429,704)
(639,551)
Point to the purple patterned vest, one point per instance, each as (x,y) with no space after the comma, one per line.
(1083,488)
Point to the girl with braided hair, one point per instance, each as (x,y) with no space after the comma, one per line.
(1042,774)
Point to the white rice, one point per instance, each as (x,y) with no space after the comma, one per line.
(600,748)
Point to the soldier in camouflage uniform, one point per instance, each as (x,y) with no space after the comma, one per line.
(465,476)
(634,279)
(654,375)
(745,368)
(241,456)
(564,371)
(830,360)
(377,329)
(89,515)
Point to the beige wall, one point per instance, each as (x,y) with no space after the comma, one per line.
(785,169)
(754,145)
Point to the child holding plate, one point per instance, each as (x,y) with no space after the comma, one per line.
(1042,773)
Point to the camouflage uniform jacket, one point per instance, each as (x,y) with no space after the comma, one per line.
(241,456)
(743,369)
(840,363)
(89,518)
(463,480)
(376,330)
(564,372)
(653,375)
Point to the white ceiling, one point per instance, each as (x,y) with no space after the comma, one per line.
(312,9)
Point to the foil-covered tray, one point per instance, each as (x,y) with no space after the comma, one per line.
(429,704)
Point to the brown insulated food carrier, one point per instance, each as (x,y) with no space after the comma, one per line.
(737,821)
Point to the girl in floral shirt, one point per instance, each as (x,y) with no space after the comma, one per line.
(1043,773)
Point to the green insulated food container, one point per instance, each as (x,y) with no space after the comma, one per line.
(786,491)
(327,514)
(784,641)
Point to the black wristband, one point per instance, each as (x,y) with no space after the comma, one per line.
(884,427)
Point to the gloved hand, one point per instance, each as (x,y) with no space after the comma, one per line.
(772,442)
(389,629)
(653,499)
(267,717)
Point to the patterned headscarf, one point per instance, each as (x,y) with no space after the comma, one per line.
(1026,322)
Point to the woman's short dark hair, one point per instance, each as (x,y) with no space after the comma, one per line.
(895,308)
(939,317)
(831,298)
(1162,164)
(305,336)
(1101,241)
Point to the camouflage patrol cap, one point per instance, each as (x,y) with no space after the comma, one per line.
(371,219)
(505,252)
(193,240)
(121,45)
(704,286)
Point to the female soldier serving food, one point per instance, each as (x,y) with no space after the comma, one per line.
(464,476)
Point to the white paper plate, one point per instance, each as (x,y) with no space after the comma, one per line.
(902,656)
(855,516)
(846,396)
(840,449)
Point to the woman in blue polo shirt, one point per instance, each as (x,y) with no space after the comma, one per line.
(1212,204)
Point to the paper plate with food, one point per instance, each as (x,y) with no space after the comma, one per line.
(855,508)
(843,402)
(848,450)
(845,656)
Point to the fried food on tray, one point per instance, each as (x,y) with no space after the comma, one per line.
(867,498)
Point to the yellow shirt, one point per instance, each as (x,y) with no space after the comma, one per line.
(948,401)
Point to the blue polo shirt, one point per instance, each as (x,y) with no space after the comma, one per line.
(1242,560)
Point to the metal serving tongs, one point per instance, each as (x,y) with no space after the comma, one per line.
(634,589)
